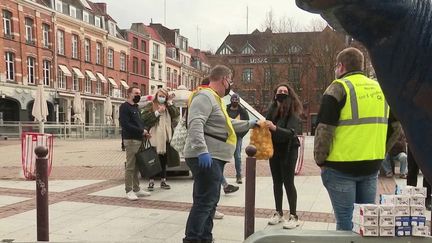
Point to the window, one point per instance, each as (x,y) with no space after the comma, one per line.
(59,6)
(143,46)
(168,74)
(110,89)
(247,75)
(46,72)
(87,50)
(111,28)
(7,24)
(10,66)
(156,51)
(143,89)
(75,82)
(86,17)
(111,58)
(135,43)
(248,49)
(61,79)
(74,46)
(123,62)
(294,75)
(98,53)
(160,72)
(267,75)
(45,35)
(29,31)
(72,12)
(175,76)
(60,42)
(143,67)
(152,70)
(135,65)
(225,51)
(98,22)
(31,65)
(98,86)
(88,84)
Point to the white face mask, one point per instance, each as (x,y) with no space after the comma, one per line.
(161,100)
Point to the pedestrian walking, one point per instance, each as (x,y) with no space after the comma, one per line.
(209,145)
(160,116)
(351,135)
(134,131)
(283,118)
(236,111)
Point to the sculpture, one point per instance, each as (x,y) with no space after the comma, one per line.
(398,36)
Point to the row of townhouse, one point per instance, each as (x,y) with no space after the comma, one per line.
(74,46)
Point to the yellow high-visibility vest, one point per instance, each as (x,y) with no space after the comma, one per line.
(362,129)
(232,137)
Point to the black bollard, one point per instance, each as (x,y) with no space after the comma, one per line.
(42,194)
(250,191)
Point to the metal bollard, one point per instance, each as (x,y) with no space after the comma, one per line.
(42,194)
(250,191)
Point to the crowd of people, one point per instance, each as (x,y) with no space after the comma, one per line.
(356,135)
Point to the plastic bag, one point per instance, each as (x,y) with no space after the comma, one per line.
(261,139)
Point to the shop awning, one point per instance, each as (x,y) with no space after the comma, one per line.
(65,70)
(124,84)
(78,72)
(91,75)
(113,82)
(101,77)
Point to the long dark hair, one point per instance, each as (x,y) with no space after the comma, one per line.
(285,109)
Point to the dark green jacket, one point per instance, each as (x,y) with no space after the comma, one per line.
(149,118)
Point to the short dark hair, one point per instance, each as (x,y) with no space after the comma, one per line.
(352,59)
(205,81)
(130,89)
(218,72)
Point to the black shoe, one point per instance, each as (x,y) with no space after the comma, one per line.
(151,186)
(230,189)
(165,186)
(239,180)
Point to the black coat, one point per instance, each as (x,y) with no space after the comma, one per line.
(243,116)
(287,128)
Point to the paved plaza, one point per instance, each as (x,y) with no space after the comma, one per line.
(87,203)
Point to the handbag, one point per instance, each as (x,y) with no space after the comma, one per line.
(147,160)
(173,157)
(178,139)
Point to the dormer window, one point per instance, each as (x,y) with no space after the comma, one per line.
(226,50)
(98,21)
(86,17)
(59,6)
(72,12)
(111,28)
(248,49)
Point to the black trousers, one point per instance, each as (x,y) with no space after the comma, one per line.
(163,162)
(413,171)
(282,166)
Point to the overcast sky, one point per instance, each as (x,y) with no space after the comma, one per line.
(215,19)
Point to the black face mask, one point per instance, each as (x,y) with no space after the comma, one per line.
(136,99)
(234,104)
(227,90)
(281,97)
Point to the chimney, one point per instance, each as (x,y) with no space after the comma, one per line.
(102,7)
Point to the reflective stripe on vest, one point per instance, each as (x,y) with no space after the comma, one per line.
(362,128)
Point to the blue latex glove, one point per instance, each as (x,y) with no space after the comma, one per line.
(253,123)
(205,160)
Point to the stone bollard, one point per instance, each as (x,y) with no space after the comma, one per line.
(42,194)
(250,191)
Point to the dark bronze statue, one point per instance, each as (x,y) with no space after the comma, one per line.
(398,36)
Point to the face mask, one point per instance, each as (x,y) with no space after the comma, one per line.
(281,97)
(136,99)
(161,100)
(234,104)
(227,90)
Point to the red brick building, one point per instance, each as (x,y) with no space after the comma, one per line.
(261,60)
(26,44)
(139,56)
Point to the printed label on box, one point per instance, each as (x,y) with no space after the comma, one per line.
(386,221)
(418,221)
(366,209)
(402,200)
(420,231)
(366,230)
(418,200)
(387,199)
(365,220)
(402,221)
(418,211)
(402,211)
(386,210)
(387,231)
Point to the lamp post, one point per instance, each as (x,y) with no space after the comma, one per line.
(56,105)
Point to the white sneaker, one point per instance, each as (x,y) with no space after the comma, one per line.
(131,196)
(218,215)
(291,223)
(275,219)
(142,193)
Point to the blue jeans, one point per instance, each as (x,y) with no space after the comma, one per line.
(237,157)
(206,193)
(345,190)
(401,157)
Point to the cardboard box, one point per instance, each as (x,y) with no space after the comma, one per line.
(404,190)
(365,220)
(402,211)
(402,221)
(366,209)
(419,190)
(403,231)
(418,221)
(386,210)
(417,200)
(387,231)
(386,199)
(366,230)
(402,200)
(385,221)
(417,211)
(421,231)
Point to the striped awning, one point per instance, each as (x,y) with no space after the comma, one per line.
(91,75)
(113,82)
(65,70)
(124,84)
(78,72)
(101,77)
